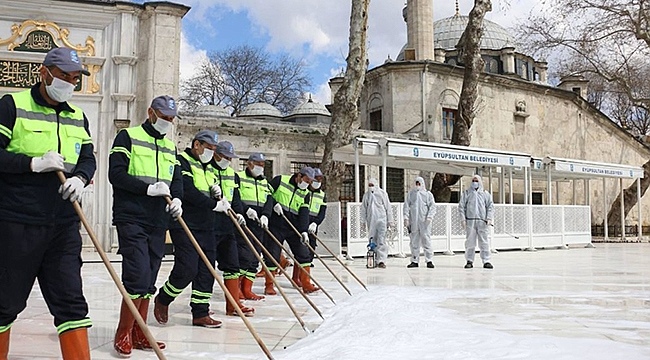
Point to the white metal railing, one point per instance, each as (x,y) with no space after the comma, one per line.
(515,227)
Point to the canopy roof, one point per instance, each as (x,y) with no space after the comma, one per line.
(463,160)
(568,169)
(444,158)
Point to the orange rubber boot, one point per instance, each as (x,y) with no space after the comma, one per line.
(123,343)
(268,283)
(296,275)
(247,289)
(138,339)
(307,286)
(233,288)
(74,344)
(4,344)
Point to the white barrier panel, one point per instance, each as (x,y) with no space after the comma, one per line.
(329,232)
(552,226)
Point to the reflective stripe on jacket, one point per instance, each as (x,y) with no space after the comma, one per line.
(39,129)
(253,191)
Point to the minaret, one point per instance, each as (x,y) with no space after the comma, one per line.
(419,24)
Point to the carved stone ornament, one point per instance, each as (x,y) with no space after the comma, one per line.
(20,33)
(40,37)
(520,106)
(520,110)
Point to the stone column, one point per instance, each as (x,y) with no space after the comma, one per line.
(159,60)
(542,70)
(508,59)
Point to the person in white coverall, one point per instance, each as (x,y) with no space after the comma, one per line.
(419,209)
(477,213)
(377,215)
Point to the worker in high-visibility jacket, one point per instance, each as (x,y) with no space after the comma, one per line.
(255,195)
(227,254)
(40,135)
(143,169)
(199,208)
(292,197)
(317,210)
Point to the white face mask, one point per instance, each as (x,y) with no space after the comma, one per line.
(418,187)
(372,189)
(162,126)
(223,163)
(303,185)
(474,185)
(206,156)
(316,184)
(59,90)
(257,170)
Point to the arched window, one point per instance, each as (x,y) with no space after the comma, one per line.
(492,66)
(524,70)
(375,121)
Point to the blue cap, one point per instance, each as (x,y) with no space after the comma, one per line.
(317,172)
(256,157)
(207,136)
(65,59)
(307,171)
(226,149)
(165,104)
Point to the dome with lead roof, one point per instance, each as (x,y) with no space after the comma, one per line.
(261,109)
(310,107)
(447,32)
(212,110)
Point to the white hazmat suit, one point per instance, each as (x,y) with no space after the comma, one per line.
(419,209)
(476,210)
(377,214)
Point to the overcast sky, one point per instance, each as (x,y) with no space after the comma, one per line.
(313,30)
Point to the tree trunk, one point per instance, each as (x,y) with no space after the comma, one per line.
(345,113)
(469,48)
(630,197)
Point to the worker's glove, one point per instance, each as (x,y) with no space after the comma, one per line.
(264,222)
(222,206)
(428,222)
(158,189)
(463,223)
(215,191)
(252,214)
(51,161)
(175,209)
(241,219)
(278,209)
(490,222)
(407,223)
(304,237)
(312,228)
(72,189)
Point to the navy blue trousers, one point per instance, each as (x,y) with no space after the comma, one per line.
(142,248)
(51,254)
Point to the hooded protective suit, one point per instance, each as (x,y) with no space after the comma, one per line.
(476,209)
(419,209)
(377,214)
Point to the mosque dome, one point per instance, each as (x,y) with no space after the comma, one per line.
(212,110)
(447,32)
(260,109)
(310,107)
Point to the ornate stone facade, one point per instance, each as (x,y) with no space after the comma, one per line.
(131,50)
